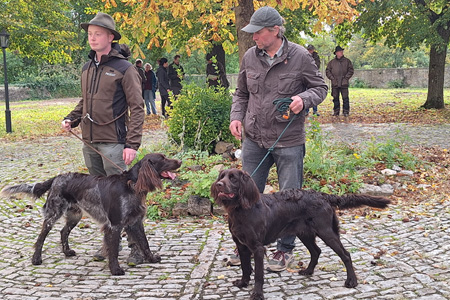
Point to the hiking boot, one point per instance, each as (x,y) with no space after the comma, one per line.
(99,255)
(279,261)
(346,113)
(135,258)
(336,113)
(234,259)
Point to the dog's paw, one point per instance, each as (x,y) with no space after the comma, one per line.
(306,272)
(240,283)
(351,282)
(117,271)
(36,260)
(69,253)
(257,296)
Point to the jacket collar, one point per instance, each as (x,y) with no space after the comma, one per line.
(105,58)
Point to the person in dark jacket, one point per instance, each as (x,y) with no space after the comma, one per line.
(275,69)
(339,71)
(215,73)
(150,86)
(312,50)
(163,85)
(140,69)
(176,74)
(111,110)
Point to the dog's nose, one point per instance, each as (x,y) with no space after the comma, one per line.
(219,183)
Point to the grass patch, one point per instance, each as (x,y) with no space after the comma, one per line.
(35,119)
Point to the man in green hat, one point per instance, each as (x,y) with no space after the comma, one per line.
(111,110)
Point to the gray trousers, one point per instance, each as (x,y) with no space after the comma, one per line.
(289,163)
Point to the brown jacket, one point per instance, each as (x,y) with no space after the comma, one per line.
(339,71)
(111,109)
(259,84)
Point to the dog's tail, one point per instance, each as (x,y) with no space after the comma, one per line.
(36,190)
(357,200)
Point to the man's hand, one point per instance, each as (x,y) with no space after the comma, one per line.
(297,104)
(236,129)
(128,155)
(66,125)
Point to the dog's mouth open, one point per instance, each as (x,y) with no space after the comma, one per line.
(226,195)
(168,175)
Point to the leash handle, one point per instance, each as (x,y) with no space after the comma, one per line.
(282,105)
(98,152)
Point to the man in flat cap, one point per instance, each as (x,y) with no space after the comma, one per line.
(273,69)
(111,111)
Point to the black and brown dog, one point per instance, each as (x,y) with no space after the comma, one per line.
(116,202)
(257,219)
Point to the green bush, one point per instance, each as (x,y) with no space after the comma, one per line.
(200,117)
(397,84)
(358,83)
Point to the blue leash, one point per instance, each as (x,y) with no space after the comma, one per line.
(282,105)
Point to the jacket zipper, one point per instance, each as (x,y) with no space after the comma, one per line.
(93,88)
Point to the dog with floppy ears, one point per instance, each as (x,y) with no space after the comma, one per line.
(116,202)
(256,220)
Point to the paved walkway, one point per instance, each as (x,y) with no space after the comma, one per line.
(393,259)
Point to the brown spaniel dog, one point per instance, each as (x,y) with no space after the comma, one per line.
(257,219)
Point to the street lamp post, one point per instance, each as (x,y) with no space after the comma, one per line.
(4,40)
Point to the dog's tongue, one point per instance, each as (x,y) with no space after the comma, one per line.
(228,195)
(168,174)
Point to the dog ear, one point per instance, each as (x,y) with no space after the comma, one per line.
(248,192)
(148,179)
(214,191)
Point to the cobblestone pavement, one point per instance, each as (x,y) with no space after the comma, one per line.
(393,259)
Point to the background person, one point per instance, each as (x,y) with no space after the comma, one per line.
(176,74)
(312,50)
(138,65)
(339,71)
(163,84)
(266,74)
(150,85)
(110,111)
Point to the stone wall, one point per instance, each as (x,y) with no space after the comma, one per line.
(376,78)
(380,78)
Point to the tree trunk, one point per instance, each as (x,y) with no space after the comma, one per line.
(436,70)
(243,13)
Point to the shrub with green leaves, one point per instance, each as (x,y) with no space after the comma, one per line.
(200,117)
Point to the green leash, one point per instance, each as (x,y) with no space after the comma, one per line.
(282,105)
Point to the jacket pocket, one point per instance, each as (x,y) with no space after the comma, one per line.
(289,83)
(253,82)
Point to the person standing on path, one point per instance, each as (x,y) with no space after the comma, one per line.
(163,85)
(312,50)
(111,110)
(339,71)
(150,89)
(176,74)
(138,65)
(275,68)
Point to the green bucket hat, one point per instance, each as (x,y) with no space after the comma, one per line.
(105,21)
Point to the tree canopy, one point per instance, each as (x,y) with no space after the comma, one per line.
(189,25)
